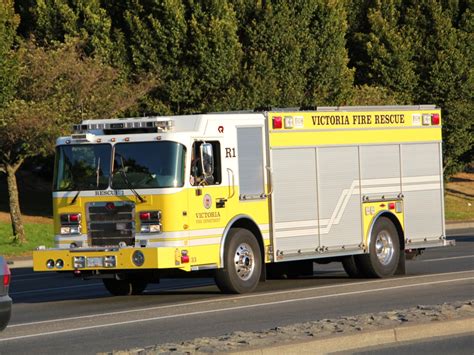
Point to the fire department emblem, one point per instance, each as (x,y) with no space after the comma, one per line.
(207,201)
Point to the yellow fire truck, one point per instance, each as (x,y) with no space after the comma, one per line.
(245,194)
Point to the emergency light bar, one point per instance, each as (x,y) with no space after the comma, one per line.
(124,126)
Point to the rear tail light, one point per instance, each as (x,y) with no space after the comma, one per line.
(6,275)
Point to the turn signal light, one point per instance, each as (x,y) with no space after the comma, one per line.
(145,216)
(150,216)
(70,218)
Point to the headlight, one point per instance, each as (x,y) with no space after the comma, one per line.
(138,258)
(150,228)
(71,230)
(79,262)
(150,221)
(109,261)
(70,223)
(50,264)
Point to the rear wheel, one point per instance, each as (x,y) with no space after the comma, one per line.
(124,287)
(351,267)
(242,263)
(384,250)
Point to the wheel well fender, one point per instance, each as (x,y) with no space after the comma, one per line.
(396,223)
(245,222)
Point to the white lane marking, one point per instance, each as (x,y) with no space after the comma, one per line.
(100,284)
(54,289)
(450,258)
(221,299)
(234,308)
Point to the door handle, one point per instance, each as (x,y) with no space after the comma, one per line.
(220,202)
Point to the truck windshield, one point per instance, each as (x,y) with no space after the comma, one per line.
(148,165)
(82,167)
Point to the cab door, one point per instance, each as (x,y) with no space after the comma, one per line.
(206,196)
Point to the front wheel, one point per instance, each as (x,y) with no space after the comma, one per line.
(124,287)
(384,250)
(242,263)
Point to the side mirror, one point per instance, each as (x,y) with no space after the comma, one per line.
(207,159)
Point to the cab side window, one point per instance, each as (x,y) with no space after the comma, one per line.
(197,176)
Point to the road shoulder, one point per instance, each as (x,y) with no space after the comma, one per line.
(334,335)
(362,340)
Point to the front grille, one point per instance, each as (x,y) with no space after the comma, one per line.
(110,223)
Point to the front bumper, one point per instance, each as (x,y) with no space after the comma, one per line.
(5,311)
(154,258)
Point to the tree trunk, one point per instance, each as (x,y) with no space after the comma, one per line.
(15,213)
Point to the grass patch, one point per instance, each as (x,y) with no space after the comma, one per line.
(36,234)
(458,208)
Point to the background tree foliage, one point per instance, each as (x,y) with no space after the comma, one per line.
(61,60)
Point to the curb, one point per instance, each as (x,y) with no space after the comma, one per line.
(368,339)
(453,226)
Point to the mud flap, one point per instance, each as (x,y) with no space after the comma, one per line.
(401,268)
(290,269)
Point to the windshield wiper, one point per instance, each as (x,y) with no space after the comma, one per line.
(125,178)
(75,197)
(97,173)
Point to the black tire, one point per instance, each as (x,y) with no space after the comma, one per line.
(124,287)
(242,263)
(384,251)
(351,267)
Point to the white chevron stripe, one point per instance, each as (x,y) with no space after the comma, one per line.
(369,186)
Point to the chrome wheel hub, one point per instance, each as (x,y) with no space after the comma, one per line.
(384,247)
(244,261)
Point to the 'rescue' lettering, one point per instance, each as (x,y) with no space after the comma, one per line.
(390,119)
(109,193)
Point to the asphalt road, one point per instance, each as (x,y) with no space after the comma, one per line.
(54,313)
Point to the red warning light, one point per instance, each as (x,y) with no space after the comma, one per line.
(435,119)
(277,122)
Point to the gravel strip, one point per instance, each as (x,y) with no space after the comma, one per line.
(237,341)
